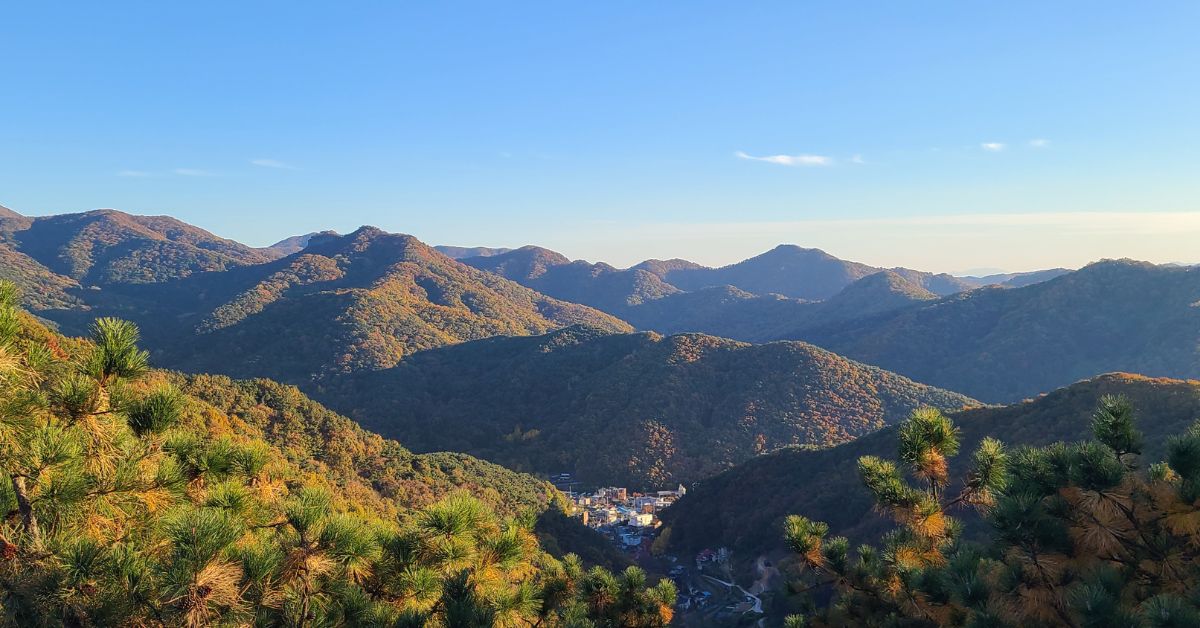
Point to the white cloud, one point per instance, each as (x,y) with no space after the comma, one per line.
(133,173)
(272,163)
(858,159)
(789,160)
(992,147)
(192,172)
(1039,142)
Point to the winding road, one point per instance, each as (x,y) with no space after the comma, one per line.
(757,602)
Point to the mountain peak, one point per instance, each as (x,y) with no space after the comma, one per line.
(367,232)
(878,292)
(465,252)
(787,269)
(294,244)
(1117,263)
(794,249)
(663,267)
(372,243)
(888,281)
(105,247)
(523,264)
(8,213)
(542,253)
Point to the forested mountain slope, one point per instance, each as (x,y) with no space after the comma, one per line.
(641,409)
(732,313)
(598,285)
(137,497)
(344,303)
(105,247)
(1001,345)
(744,508)
(795,272)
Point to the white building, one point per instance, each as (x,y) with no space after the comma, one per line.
(641,519)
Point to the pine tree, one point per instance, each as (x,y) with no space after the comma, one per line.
(1081,535)
(131,505)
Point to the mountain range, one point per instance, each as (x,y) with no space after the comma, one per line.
(461,252)
(345,303)
(375,301)
(153,498)
(312,439)
(105,247)
(1002,345)
(757,384)
(786,270)
(598,285)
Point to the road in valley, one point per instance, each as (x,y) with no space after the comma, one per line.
(758,608)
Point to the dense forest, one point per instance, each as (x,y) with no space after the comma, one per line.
(734,313)
(744,507)
(206,304)
(1081,534)
(134,497)
(599,285)
(1109,316)
(145,497)
(642,409)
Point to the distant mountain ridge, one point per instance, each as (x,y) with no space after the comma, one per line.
(733,313)
(796,272)
(377,301)
(462,252)
(335,303)
(597,285)
(740,301)
(344,303)
(294,244)
(642,408)
(104,247)
(1002,345)
(1016,280)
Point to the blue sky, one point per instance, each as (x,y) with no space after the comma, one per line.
(937,135)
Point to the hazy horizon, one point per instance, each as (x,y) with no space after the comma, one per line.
(843,235)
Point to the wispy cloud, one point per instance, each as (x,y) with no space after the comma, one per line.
(789,160)
(992,147)
(858,159)
(192,172)
(1039,142)
(133,173)
(272,163)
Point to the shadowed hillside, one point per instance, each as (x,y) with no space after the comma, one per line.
(1001,345)
(151,499)
(597,285)
(794,272)
(732,313)
(641,409)
(294,244)
(744,507)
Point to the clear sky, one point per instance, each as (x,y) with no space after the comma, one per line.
(938,135)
